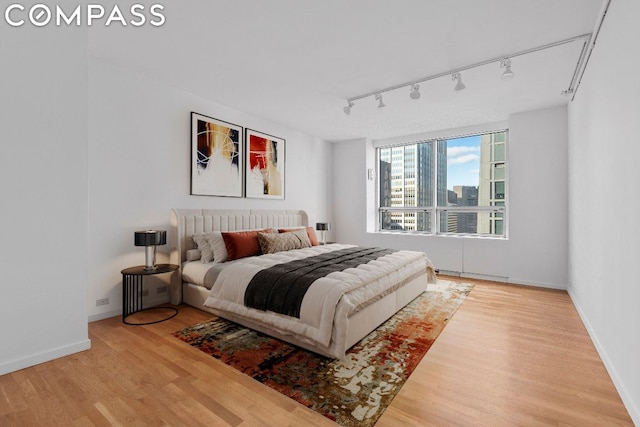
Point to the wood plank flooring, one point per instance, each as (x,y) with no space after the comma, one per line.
(511,355)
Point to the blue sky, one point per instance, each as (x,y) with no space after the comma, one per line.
(463,161)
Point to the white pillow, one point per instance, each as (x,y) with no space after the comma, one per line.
(216,243)
(206,254)
(193,254)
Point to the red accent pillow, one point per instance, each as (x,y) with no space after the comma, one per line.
(242,244)
(310,232)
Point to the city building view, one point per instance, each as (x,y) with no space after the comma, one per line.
(457,174)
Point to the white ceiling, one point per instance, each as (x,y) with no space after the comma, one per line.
(295,62)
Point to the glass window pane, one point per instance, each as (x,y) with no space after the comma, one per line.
(498,152)
(459,222)
(466,223)
(499,190)
(405,221)
(459,171)
(406,175)
(384,174)
(490,172)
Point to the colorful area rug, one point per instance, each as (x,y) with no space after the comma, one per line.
(351,392)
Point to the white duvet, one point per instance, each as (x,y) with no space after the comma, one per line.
(329,300)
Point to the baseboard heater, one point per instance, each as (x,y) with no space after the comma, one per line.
(472,276)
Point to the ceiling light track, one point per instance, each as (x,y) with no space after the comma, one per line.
(585,55)
(504,61)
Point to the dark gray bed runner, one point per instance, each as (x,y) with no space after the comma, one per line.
(282,287)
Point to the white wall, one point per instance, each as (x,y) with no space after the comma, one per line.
(538,190)
(536,251)
(604,124)
(139,168)
(43,174)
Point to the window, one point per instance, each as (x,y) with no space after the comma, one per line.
(454,186)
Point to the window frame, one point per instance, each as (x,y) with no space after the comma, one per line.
(435,212)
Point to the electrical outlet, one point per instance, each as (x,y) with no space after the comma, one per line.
(145,292)
(161,289)
(102,301)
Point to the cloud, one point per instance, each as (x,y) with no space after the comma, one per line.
(461,159)
(459,155)
(460,150)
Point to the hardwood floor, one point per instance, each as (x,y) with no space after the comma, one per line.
(511,355)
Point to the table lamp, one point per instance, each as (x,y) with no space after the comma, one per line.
(150,239)
(323,227)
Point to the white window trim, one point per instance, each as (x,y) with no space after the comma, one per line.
(441,134)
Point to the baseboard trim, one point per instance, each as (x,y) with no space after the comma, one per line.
(539,284)
(502,279)
(627,399)
(105,315)
(148,302)
(485,277)
(45,356)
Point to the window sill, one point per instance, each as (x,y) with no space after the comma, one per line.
(447,235)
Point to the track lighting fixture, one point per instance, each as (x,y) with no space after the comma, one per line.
(508,74)
(457,77)
(415,91)
(347,109)
(504,61)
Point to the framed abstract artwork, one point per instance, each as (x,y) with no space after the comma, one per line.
(217,157)
(265,165)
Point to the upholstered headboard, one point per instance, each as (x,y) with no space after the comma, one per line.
(186,222)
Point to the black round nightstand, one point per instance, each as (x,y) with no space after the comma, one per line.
(132,291)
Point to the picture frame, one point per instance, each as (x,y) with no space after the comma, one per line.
(265,165)
(217,157)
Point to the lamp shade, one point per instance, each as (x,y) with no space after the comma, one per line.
(150,238)
(323,226)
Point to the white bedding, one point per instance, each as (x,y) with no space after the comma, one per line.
(329,301)
(203,274)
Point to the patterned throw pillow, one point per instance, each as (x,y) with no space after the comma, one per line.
(311,234)
(272,243)
(206,253)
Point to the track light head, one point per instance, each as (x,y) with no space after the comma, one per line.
(347,109)
(457,77)
(379,99)
(415,91)
(508,74)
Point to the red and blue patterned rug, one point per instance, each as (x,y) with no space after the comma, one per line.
(351,392)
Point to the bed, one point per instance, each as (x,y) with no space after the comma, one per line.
(336,310)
